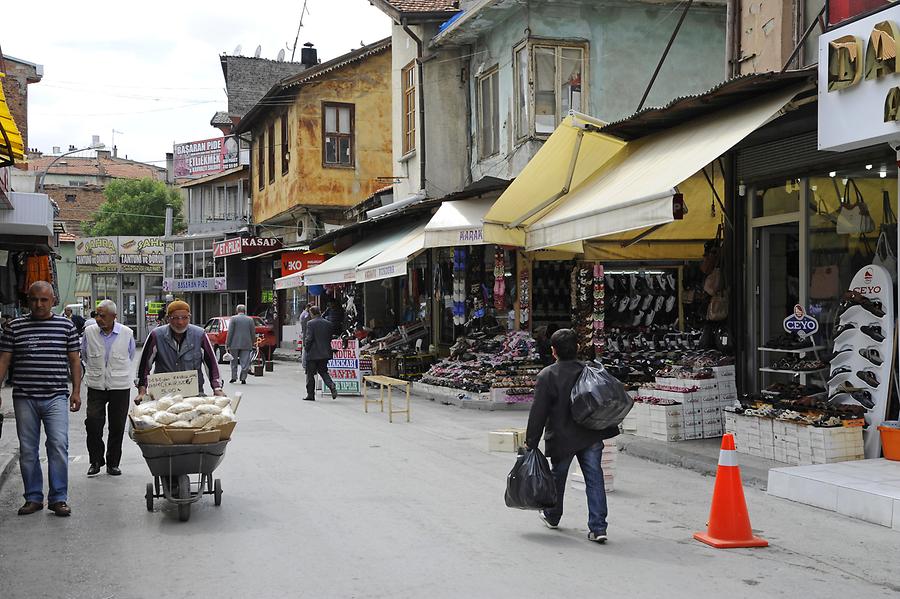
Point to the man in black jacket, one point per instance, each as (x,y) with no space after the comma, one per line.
(317,352)
(564,439)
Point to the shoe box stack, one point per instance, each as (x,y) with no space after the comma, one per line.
(506,439)
(607,462)
(794,443)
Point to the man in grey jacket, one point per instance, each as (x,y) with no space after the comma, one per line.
(317,343)
(239,342)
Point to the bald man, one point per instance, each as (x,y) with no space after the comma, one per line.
(43,349)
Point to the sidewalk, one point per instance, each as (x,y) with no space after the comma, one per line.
(9,443)
(700,456)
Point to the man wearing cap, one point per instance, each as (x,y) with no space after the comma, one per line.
(178,346)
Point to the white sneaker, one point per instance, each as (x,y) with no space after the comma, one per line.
(597,537)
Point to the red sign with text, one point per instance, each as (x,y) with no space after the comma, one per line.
(294,262)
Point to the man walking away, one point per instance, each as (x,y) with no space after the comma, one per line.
(317,343)
(304,320)
(108,349)
(564,438)
(239,342)
(43,351)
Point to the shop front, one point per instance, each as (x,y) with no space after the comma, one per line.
(292,295)
(127,270)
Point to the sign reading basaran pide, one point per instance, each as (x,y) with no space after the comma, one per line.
(182,383)
(801,323)
(202,284)
(206,156)
(859,82)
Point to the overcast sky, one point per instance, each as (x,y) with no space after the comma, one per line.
(151,71)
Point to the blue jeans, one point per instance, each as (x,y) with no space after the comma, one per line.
(54,414)
(589,460)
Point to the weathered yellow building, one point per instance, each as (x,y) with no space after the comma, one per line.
(320,141)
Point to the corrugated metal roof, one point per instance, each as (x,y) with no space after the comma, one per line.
(731,92)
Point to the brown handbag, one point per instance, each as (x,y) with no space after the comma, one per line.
(718,307)
(825,282)
(711,251)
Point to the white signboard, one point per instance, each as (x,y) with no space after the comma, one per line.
(859,85)
(170,383)
(201,284)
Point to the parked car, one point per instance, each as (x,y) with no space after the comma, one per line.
(217,331)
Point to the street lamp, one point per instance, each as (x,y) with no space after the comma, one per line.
(49,166)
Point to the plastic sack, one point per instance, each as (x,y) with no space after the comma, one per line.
(227,357)
(529,485)
(598,399)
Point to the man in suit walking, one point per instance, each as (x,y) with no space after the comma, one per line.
(239,342)
(317,343)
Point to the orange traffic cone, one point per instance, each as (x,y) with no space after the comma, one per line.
(729,523)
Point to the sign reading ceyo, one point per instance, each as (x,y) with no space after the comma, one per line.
(801,323)
(859,82)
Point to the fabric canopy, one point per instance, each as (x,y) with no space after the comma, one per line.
(342,267)
(12,147)
(635,189)
(574,143)
(289,281)
(458,223)
(392,261)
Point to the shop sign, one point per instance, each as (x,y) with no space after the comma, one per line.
(201,284)
(859,83)
(293,262)
(289,282)
(344,366)
(801,323)
(205,157)
(383,272)
(97,254)
(153,308)
(471,235)
(142,254)
(182,383)
(248,246)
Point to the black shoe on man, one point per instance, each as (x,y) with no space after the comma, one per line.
(113,471)
(309,399)
(94,470)
(60,508)
(30,507)
(233,380)
(334,393)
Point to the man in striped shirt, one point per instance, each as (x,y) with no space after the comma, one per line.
(43,349)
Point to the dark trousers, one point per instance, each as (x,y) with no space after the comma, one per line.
(590,461)
(314,367)
(99,402)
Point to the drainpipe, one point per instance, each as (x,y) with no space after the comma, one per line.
(730,29)
(420,73)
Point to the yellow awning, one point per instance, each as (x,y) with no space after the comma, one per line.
(544,179)
(635,189)
(12,148)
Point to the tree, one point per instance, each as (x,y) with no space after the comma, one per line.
(136,207)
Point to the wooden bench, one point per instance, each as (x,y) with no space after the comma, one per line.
(389,383)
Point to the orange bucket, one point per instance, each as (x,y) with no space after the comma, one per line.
(890,442)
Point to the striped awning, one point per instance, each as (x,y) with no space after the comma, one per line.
(12,148)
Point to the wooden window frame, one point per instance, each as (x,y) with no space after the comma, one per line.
(285,144)
(261,160)
(351,136)
(270,151)
(495,105)
(408,115)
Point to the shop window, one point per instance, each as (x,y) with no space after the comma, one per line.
(408,82)
(195,205)
(220,267)
(189,266)
(337,134)
(285,144)
(489,114)
(261,160)
(178,268)
(234,210)
(550,80)
(780,199)
(270,151)
(70,197)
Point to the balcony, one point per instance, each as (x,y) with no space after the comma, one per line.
(31,214)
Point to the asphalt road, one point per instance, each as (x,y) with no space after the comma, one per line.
(322,500)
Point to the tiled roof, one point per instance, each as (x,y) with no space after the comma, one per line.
(220,118)
(424,5)
(117,168)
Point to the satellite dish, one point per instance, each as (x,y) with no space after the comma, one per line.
(237,50)
(258,52)
(281,55)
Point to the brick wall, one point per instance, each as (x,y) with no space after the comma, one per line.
(15,87)
(76,204)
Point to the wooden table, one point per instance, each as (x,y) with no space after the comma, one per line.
(389,383)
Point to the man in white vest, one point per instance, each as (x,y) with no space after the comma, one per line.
(107,349)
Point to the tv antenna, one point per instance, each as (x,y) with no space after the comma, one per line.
(281,55)
(303,12)
(258,51)
(237,50)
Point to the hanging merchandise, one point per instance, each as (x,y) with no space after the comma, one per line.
(853,217)
(499,279)
(884,255)
(459,286)
(711,251)
(37,269)
(825,282)
(524,299)
(598,313)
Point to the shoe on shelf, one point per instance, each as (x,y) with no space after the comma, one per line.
(838,330)
(546,522)
(839,352)
(871,354)
(597,537)
(113,471)
(94,470)
(873,331)
(60,508)
(839,371)
(868,377)
(30,507)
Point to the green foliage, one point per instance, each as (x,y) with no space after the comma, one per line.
(136,207)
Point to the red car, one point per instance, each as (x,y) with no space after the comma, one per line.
(217,331)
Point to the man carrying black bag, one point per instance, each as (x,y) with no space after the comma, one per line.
(565,439)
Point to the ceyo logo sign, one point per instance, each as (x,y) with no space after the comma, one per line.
(870,285)
(801,323)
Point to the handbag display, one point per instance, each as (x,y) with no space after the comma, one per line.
(884,255)
(711,251)
(825,282)
(712,284)
(853,217)
(718,307)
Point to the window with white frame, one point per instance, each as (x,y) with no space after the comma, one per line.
(550,80)
(489,113)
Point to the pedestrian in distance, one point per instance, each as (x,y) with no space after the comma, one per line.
(107,349)
(564,439)
(92,319)
(317,346)
(78,319)
(176,347)
(239,342)
(43,349)
(304,320)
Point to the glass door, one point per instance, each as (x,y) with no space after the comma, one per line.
(128,307)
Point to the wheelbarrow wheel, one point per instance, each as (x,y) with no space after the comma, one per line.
(184,492)
(149,497)
(217,493)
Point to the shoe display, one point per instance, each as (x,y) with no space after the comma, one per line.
(60,508)
(854,298)
(868,377)
(30,507)
(873,331)
(840,352)
(94,470)
(838,372)
(839,330)
(872,355)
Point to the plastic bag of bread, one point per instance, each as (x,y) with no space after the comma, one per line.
(187,416)
(164,418)
(166,402)
(228,415)
(201,420)
(181,406)
(143,423)
(209,409)
(181,424)
(146,409)
(222,401)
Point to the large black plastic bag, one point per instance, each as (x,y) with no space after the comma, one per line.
(530,485)
(598,399)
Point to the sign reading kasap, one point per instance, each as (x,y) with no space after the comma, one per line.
(173,383)
(859,82)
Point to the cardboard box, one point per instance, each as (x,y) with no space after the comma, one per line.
(508,440)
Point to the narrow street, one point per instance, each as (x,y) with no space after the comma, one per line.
(323,500)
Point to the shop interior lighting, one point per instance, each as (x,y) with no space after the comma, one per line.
(868,167)
(832,174)
(882,173)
